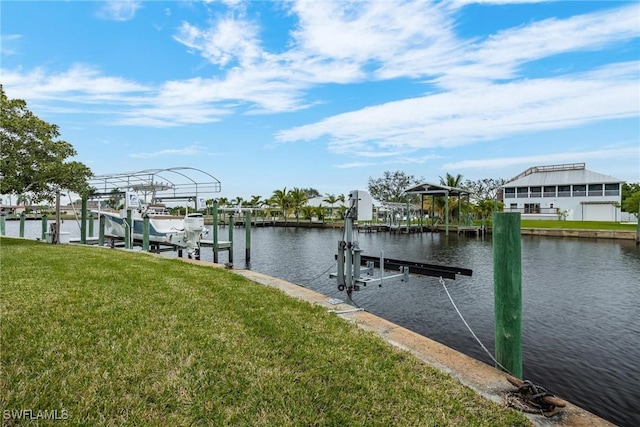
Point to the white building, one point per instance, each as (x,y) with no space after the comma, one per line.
(567,191)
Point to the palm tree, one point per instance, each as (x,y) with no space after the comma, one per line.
(280,198)
(297,198)
(451,181)
(331,199)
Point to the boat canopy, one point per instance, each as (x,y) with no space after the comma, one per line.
(159,185)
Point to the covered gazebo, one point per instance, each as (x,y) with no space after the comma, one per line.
(433,190)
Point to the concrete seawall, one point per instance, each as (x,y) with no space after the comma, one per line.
(589,234)
(480,377)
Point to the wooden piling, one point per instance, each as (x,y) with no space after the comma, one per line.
(507,287)
(215,231)
(231,225)
(145,233)
(22,218)
(128,229)
(45,222)
(83,221)
(101,225)
(247,227)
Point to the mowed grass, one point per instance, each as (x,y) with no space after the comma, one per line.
(576,225)
(114,337)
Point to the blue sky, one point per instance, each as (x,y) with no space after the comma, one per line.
(326,94)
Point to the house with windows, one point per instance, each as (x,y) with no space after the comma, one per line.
(568,191)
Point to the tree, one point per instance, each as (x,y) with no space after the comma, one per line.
(114,200)
(311,192)
(280,199)
(484,189)
(331,199)
(32,158)
(450,180)
(390,188)
(630,197)
(297,199)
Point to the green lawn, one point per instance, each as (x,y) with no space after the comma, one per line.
(113,337)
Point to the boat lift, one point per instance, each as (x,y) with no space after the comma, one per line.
(350,260)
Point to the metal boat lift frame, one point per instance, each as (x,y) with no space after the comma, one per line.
(171,184)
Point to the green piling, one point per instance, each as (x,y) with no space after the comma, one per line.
(83,222)
(127,230)
(638,226)
(3,225)
(507,288)
(446,214)
(22,218)
(247,227)
(91,219)
(101,224)
(45,222)
(145,233)
(215,231)
(231,238)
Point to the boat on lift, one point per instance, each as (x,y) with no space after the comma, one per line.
(164,228)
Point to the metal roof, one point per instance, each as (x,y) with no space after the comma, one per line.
(428,188)
(554,175)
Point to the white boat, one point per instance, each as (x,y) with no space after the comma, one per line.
(164,228)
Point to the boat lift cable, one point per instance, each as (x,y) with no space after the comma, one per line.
(441,280)
(74,211)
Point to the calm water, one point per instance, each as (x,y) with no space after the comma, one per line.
(581,301)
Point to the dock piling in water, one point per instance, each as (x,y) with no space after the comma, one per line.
(507,288)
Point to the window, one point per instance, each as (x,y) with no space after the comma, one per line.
(595,189)
(522,191)
(612,189)
(535,192)
(549,191)
(579,190)
(532,208)
(564,191)
(509,193)
(513,206)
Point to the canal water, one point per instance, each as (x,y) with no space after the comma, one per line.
(581,301)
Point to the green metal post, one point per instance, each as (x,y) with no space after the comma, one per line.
(145,233)
(91,220)
(45,222)
(22,218)
(83,222)
(230,237)
(215,231)
(507,288)
(101,224)
(247,228)
(3,225)
(127,230)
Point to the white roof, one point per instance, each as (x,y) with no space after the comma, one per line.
(561,177)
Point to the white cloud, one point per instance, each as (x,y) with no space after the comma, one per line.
(545,159)
(119,10)
(187,151)
(6,42)
(354,165)
(480,112)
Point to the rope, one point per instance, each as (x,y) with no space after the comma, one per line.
(469,328)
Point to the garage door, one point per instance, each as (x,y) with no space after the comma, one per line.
(599,212)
